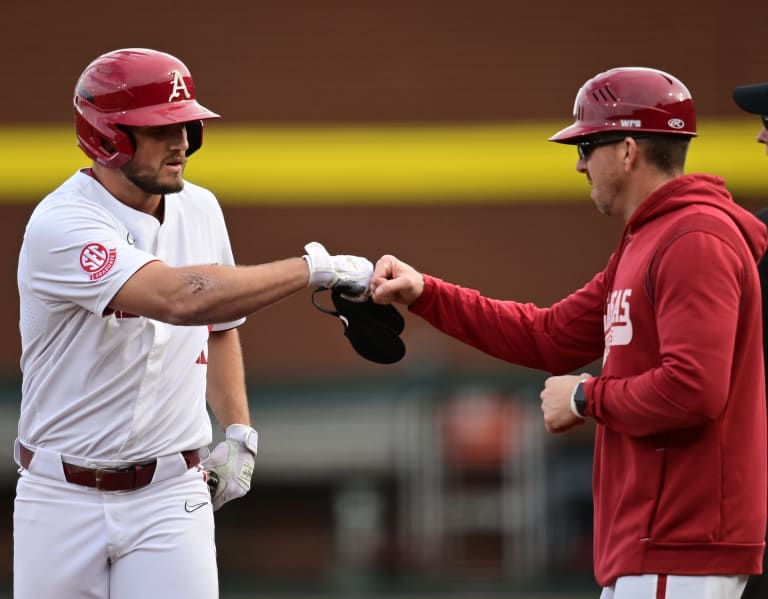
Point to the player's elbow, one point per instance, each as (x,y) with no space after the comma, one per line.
(184,311)
(187,300)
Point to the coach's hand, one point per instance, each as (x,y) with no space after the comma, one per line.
(556,402)
(230,465)
(395,281)
(349,274)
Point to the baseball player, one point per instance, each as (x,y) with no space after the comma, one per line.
(130,303)
(754,99)
(679,479)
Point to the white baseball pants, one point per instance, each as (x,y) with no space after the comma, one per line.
(653,586)
(73,541)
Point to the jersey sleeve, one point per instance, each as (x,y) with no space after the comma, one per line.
(78,253)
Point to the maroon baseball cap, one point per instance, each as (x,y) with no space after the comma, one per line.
(752,98)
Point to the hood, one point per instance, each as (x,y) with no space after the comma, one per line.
(702,190)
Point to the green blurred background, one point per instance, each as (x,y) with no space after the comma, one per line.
(414,128)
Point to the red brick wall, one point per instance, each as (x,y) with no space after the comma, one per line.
(351,61)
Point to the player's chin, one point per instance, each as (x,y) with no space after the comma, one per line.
(172,184)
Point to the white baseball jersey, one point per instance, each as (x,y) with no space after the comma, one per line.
(104,386)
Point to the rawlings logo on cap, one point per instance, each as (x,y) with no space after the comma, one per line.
(676,123)
(178,87)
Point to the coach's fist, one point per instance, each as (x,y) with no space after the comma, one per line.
(556,402)
(395,281)
(230,465)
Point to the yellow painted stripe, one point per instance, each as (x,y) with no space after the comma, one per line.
(503,162)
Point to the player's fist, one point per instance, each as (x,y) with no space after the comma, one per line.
(230,465)
(349,274)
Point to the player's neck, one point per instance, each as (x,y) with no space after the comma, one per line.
(129,194)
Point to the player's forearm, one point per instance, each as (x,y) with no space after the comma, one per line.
(211,294)
(225,387)
(208,294)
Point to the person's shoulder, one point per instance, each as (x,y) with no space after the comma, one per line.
(196,197)
(197,192)
(75,198)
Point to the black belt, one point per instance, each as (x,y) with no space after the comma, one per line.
(129,478)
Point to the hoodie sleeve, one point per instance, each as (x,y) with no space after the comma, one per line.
(700,285)
(557,339)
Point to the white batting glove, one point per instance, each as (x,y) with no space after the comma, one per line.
(230,465)
(350,274)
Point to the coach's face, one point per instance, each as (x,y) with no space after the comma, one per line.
(603,165)
(157,166)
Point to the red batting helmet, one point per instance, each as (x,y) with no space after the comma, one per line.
(631,99)
(134,87)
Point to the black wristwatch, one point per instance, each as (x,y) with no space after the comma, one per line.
(579,400)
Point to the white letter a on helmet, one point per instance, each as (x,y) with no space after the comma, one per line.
(179,87)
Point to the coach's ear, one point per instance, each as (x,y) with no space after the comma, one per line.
(373,330)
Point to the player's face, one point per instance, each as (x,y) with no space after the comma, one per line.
(602,164)
(157,166)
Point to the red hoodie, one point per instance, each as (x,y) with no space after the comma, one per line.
(679,479)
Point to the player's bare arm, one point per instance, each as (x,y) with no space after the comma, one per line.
(395,281)
(205,294)
(230,466)
(225,382)
(210,294)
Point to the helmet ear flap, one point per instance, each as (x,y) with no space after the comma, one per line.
(112,148)
(194,136)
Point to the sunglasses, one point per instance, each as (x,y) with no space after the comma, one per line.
(585,148)
(765,120)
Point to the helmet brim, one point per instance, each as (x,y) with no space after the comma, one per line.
(164,114)
(752,98)
(573,134)
(577,133)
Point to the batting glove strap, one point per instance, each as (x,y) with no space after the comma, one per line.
(349,274)
(245,435)
(320,265)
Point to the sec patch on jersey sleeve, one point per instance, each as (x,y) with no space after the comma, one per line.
(97,260)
